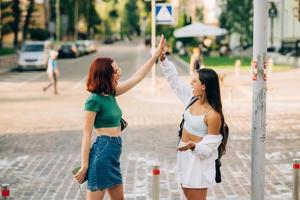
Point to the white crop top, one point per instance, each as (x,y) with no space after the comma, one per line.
(195,124)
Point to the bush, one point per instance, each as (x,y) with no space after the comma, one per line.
(39,34)
(6,51)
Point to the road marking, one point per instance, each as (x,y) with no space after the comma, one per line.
(79,83)
(12,85)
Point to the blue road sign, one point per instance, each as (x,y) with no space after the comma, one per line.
(164,13)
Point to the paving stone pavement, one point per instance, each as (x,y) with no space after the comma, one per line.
(37,158)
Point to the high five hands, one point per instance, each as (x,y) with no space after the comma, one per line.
(160,48)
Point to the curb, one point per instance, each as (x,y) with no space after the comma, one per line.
(185,66)
(5,70)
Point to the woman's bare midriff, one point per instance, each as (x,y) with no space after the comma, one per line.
(112,131)
(186,137)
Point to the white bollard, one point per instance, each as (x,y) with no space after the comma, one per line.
(296,166)
(237,67)
(270,65)
(4,191)
(155,182)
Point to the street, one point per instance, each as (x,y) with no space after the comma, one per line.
(40,133)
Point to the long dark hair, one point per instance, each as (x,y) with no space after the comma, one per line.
(210,79)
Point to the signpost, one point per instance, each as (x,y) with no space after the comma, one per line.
(161,13)
(153,36)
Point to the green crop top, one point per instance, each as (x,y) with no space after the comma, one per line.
(108,111)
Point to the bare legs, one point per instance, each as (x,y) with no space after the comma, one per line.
(195,194)
(53,82)
(115,193)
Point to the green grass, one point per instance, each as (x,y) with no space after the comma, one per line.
(221,61)
(6,51)
(226,62)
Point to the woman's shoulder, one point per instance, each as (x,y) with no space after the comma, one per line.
(100,97)
(92,103)
(213,115)
(94,97)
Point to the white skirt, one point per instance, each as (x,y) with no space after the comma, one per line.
(194,172)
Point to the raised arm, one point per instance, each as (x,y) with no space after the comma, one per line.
(142,72)
(182,89)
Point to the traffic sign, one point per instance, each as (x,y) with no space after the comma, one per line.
(164,13)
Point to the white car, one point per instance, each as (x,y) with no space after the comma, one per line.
(34,55)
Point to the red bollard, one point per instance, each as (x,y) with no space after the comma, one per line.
(4,191)
(155,182)
(296,167)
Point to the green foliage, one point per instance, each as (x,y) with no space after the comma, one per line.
(221,61)
(28,18)
(130,20)
(183,20)
(7,17)
(7,51)
(39,34)
(237,17)
(15,24)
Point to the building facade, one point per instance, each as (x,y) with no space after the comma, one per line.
(286,24)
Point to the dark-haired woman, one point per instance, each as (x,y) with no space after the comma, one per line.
(100,165)
(203,131)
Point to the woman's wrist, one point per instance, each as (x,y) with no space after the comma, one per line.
(193,146)
(162,57)
(84,167)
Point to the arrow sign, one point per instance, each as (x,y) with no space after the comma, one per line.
(164,13)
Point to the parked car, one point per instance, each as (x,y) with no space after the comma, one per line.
(290,46)
(34,55)
(68,50)
(91,46)
(83,46)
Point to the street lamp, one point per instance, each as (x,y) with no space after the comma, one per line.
(272,14)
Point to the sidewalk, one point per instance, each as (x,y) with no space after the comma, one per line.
(39,151)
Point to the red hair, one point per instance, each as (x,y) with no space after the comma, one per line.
(100,76)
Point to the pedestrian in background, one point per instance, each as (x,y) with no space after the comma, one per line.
(196,60)
(204,135)
(52,71)
(100,165)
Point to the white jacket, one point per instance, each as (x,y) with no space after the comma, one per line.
(196,169)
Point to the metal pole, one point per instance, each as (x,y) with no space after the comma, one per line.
(57,20)
(155,182)
(153,38)
(259,100)
(296,166)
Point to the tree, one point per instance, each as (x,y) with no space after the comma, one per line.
(237,17)
(130,20)
(6,19)
(27,19)
(15,25)
(92,18)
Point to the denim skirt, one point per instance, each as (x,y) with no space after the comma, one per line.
(104,163)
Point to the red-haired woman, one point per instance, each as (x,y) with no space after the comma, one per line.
(100,165)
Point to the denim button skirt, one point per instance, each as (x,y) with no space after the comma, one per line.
(104,163)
